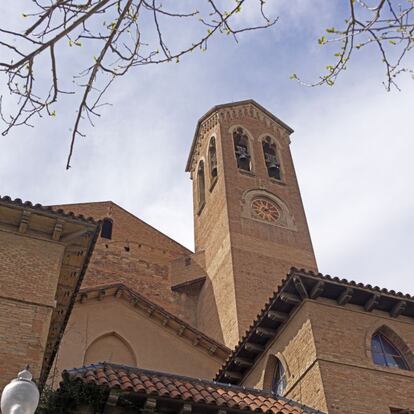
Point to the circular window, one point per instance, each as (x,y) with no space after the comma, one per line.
(266,210)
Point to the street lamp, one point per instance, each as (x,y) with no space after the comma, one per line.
(20,396)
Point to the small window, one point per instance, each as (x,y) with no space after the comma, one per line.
(212,155)
(279,379)
(271,158)
(241,150)
(106,231)
(384,353)
(201,185)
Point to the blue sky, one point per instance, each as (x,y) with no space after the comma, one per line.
(352,146)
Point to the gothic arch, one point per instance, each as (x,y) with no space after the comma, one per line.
(278,149)
(250,138)
(395,339)
(212,158)
(201,184)
(286,219)
(110,347)
(270,369)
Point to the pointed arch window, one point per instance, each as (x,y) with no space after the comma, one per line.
(201,185)
(106,230)
(212,157)
(279,381)
(271,158)
(242,150)
(385,353)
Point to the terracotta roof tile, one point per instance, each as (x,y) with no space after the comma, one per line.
(47,209)
(187,389)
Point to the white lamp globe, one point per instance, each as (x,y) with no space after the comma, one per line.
(20,396)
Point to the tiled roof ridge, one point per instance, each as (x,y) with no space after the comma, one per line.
(347,282)
(46,209)
(272,299)
(157,307)
(206,382)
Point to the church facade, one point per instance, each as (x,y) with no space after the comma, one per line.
(245,322)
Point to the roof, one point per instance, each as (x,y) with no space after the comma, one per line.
(50,210)
(78,234)
(176,388)
(301,285)
(158,313)
(227,105)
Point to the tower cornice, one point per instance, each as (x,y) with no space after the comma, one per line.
(231,110)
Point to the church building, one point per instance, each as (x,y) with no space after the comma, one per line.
(244,323)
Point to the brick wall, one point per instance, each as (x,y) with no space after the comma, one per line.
(137,255)
(245,258)
(29,271)
(326,350)
(296,348)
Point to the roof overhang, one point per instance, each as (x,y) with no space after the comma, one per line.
(77,234)
(230,105)
(298,287)
(159,315)
(154,391)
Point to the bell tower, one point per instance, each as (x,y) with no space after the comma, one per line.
(248,215)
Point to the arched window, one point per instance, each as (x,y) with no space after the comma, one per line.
(201,184)
(110,347)
(279,381)
(212,157)
(384,353)
(106,230)
(271,158)
(241,149)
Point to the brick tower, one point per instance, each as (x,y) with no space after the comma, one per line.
(248,215)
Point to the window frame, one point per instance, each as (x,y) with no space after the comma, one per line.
(382,339)
(279,379)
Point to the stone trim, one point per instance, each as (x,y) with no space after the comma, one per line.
(165,319)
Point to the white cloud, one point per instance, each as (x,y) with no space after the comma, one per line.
(352,146)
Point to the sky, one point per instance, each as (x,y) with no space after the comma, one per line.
(352,146)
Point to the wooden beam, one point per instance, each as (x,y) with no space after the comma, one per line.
(277,316)
(290,298)
(317,290)
(24,221)
(75,235)
(83,297)
(233,375)
(300,287)
(186,409)
(398,308)
(111,401)
(212,350)
(268,333)
(372,302)
(251,347)
(242,362)
(150,406)
(345,296)
(57,230)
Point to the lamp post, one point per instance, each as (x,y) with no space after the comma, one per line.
(20,396)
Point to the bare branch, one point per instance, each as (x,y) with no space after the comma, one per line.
(109,31)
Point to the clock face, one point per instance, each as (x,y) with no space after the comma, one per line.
(265,210)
